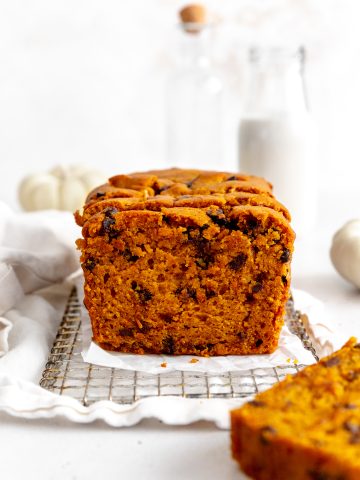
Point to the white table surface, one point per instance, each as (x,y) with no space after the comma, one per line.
(58,449)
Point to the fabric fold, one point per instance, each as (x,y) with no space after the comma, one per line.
(37,250)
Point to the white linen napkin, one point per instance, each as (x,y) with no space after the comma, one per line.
(36,250)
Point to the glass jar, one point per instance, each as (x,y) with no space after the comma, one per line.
(277,136)
(194,103)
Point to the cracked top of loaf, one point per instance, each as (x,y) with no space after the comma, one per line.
(157,190)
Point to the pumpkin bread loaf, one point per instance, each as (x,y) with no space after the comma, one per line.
(186,262)
(306,427)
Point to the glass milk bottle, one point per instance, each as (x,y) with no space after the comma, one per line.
(194,103)
(277,136)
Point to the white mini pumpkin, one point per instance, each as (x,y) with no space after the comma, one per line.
(63,188)
(345,252)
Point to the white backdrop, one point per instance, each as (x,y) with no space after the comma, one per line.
(82,81)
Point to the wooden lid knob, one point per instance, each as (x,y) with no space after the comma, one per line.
(193,14)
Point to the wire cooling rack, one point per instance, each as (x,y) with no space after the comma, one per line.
(67,374)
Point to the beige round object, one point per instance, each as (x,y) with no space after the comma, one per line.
(345,252)
(63,188)
(193,16)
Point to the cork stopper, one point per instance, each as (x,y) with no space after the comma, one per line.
(193,16)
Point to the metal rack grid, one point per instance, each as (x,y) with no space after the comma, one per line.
(67,374)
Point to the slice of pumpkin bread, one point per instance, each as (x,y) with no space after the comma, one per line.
(186,262)
(306,427)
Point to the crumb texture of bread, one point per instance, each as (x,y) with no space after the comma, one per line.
(306,427)
(186,262)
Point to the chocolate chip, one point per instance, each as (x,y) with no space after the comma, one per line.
(178,290)
(230,179)
(258,343)
(355,440)
(100,194)
(357,345)
(354,430)
(257,403)
(222,222)
(110,212)
(218,217)
(232,224)
(203,246)
(190,183)
(168,346)
(252,223)
(250,298)
(145,326)
(144,294)
(250,226)
(210,293)
(204,227)
(166,219)
(200,348)
(113,234)
(203,250)
(90,264)
(205,261)
(285,256)
(257,287)
(126,332)
(129,256)
(166,317)
(210,346)
(331,362)
(320,475)
(348,406)
(284,280)
(260,277)
(107,225)
(106,277)
(200,262)
(266,433)
(191,293)
(238,262)
(255,249)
